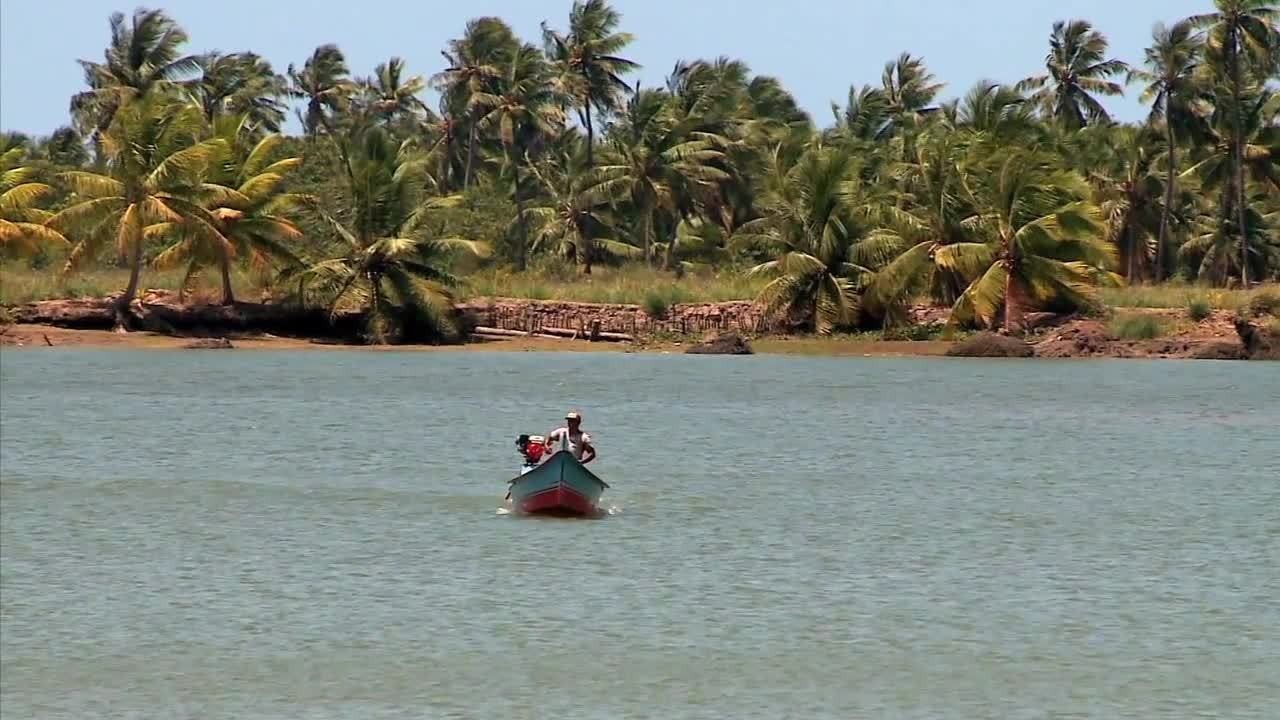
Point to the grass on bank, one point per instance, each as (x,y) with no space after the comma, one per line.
(652,289)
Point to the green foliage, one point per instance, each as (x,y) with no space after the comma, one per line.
(1136,326)
(1004,200)
(1198,309)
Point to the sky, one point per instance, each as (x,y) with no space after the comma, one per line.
(817,48)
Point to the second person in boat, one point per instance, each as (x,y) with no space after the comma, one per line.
(579,441)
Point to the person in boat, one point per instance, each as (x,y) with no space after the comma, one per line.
(579,441)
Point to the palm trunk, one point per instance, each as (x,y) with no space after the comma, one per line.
(1238,152)
(591,136)
(1012,305)
(646,230)
(522,255)
(228,295)
(1168,201)
(471,154)
(123,303)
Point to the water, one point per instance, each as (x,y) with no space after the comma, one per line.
(316,535)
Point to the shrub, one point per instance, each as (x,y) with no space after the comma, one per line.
(1266,302)
(1136,326)
(656,305)
(1198,309)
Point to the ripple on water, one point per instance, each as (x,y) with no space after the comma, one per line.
(267,535)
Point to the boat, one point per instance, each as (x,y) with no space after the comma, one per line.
(561,486)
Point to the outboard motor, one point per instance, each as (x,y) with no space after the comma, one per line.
(531,449)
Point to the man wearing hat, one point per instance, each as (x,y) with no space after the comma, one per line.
(579,441)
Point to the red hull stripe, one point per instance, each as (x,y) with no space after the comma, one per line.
(557,498)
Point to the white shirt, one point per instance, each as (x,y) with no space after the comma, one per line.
(576,445)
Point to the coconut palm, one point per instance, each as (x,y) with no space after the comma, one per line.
(935,213)
(243,192)
(388,264)
(475,62)
(1258,144)
(324,82)
(1077,71)
(1243,45)
(809,227)
(1041,240)
(1173,61)
(155,163)
(570,219)
(237,84)
(144,55)
(655,162)
(522,106)
(393,96)
(590,68)
(1129,192)
(22,228)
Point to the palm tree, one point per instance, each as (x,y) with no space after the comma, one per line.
(475,62)
(655,162)
(393,96)
(522,106)
(1253,134)
(240,83)
(243,193)
(143,56)
(809,227)
(387,263)
(155,163)
(1077,70)
(1173,61)
(325,84)
(1242,41)
(935,213)
(22,227)
(1129,194)
(1041,240)
(570,218)
(590,65)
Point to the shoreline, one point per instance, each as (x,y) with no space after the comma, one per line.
(35,337)
(505,325)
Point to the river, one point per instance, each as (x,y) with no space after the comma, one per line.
(317,535)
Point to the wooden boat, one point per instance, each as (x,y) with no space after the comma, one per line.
(561,486)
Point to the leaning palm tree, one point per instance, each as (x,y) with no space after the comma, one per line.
(387,264)
(1077,69)
(588,59)
(22,228)
(1173,61)
(522,107)
(243,192)
(809,227)
(155,162)
(144,55)
(1243,48)
(1040,240)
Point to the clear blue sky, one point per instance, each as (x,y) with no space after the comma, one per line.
(816,47)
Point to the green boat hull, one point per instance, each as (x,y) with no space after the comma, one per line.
(559,486)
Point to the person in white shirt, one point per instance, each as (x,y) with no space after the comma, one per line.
(579,441)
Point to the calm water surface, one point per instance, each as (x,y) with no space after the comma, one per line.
(316,535)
